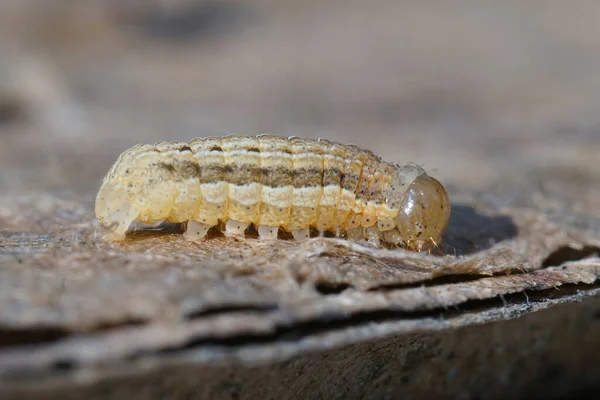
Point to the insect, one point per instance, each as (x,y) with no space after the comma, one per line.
(273,183)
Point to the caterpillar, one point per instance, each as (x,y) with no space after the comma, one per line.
(273,183)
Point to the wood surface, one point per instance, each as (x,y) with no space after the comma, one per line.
(498,100)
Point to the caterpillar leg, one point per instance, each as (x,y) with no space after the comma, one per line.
(235,228)
(196,231)
(268,232)
(301,234)
(121,222)
(372,235)
(392,236)
(356,234)
(114,211)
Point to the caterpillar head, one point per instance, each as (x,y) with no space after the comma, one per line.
(424,207)
(424,213)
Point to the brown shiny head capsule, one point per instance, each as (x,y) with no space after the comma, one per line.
(424,214)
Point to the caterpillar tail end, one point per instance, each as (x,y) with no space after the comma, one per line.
(114,211)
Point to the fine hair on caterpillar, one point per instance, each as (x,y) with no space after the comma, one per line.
(293,184)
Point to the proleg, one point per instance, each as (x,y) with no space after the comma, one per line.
(273,183)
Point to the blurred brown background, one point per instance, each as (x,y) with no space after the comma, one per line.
(498,99)
(481,92)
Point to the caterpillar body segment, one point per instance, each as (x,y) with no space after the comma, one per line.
(273,183)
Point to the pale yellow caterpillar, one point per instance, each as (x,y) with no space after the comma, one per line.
(273,183)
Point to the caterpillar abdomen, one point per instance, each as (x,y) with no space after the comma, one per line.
(273,183)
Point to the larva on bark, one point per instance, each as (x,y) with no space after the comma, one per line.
(273,183)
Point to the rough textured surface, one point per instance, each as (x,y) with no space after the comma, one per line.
(497,99)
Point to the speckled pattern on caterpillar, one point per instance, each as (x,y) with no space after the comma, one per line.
(274,183)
